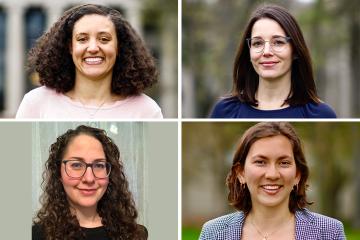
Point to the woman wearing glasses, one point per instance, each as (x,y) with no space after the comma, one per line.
(86,195)
(267,185)
(272,76)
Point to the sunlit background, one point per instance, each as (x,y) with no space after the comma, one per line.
(23,21)
(331,150)
(212,30)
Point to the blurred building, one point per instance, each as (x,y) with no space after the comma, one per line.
(23,21)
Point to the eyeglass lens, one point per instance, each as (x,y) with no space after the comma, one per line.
(77,168)
(258,44)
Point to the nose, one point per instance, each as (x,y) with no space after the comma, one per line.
(272,172)
(88,175)
(267,49)
(93,46)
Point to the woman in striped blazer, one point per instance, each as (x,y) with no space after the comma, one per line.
(267,184)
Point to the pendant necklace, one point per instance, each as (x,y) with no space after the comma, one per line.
(90,113)
(264,236)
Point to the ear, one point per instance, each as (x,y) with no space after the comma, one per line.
(240,175)
(297,177)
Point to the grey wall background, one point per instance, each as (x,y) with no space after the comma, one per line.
(149,151)
(15,179)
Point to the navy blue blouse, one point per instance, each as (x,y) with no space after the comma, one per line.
(232,108)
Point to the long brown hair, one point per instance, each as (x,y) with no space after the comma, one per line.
(239,196)
(116,208)
(245,78)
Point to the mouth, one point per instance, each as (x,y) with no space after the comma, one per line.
(87,192)
(271,189)
(268,63)
(93,60)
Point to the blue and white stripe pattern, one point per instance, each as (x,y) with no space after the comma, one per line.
(308,226)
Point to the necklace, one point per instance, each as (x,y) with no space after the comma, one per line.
(90,113)
(265,236)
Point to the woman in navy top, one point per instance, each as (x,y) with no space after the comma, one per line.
(267,185)
(272,76)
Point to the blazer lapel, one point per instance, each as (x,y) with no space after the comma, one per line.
(305,227)
(233,229)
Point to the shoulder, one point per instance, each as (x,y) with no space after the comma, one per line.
(34,101)
(319,110)
(326,227)
(221,224)
(37,232)
(227,107)
(146,105)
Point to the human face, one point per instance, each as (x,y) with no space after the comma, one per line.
(268,64)
(94,47)
(270,172)
(87,191)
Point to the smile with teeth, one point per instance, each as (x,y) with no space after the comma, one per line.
(271,188)
(93,60)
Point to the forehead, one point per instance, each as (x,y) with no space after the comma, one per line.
(267,28)
(94,23)
(275,145)
(84,144)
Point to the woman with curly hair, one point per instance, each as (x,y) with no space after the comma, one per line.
(267,185)
(92,64)
(86,194)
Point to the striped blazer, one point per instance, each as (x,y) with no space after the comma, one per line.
(308,226)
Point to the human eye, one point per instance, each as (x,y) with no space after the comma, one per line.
(259,162)
(76,165)
(280,41)
(256,43)
(81,39)
(99,165)
(285,163)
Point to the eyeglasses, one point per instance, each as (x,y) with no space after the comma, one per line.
(277,44)
(77,168)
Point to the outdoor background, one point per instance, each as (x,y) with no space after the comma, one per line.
(24,21)
(212,30)
(331,149)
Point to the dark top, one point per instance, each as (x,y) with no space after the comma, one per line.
(232,108)
(97,233)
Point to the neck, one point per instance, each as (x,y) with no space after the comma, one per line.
(269,219)
(87,216)
(92,91)
(271,94)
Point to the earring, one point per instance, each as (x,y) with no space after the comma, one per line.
(243,185)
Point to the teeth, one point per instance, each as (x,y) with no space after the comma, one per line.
(93,59)
(271,187)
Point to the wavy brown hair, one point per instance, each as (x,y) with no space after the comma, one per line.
(134,69)
(116,208)
(245,78)
(239,196)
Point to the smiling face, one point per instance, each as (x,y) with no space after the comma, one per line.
(94,47)
(84,192)
(270,172)
(269,64)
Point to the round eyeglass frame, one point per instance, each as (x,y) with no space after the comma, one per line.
(108,165)
(287,39)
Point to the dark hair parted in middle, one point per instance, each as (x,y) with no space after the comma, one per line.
(134,69)
(245,78)
(116,207)
(239,197)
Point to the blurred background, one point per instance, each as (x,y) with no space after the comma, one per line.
(331,150)
(212,30)
(23,21)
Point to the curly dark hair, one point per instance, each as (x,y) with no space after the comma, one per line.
(116,208)
(134,69)
(239,197)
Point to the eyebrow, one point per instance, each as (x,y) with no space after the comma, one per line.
(265,157)
(273,36)
(82,159)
